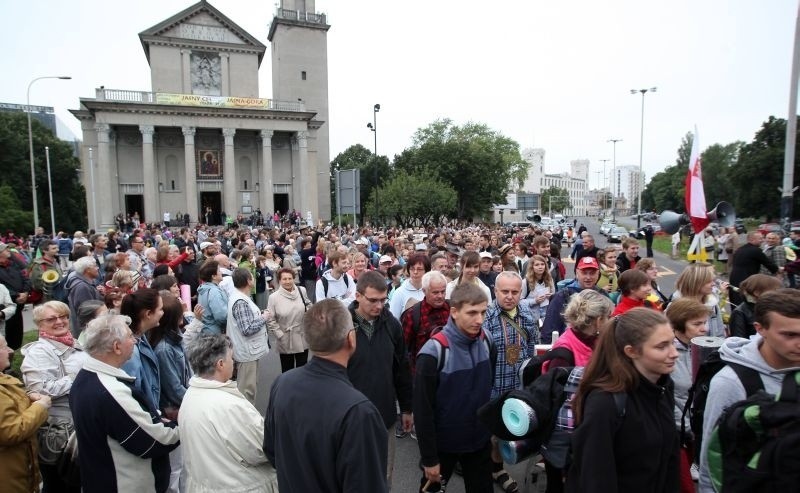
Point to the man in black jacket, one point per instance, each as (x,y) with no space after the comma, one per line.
(747,260)
(630,255)
(308,269)
(379,368)
(317,404)
(589,249)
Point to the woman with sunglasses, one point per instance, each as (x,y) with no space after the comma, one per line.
(49,368)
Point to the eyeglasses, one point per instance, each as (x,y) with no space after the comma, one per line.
(376,300)
(52,320)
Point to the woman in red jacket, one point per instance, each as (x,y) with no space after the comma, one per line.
(635,287)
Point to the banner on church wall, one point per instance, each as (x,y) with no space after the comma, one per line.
(212,101)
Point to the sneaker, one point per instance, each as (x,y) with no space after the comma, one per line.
(413,434)
(695,472)
(398,431)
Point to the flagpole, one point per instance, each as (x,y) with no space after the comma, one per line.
(787,190)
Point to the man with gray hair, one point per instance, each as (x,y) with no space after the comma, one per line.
(81,287)
(124,444)
(247,328)
(514,330)
(420,320)
(317,404)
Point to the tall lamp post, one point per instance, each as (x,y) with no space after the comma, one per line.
(603,183)
(640,178)
(30,144)
(614,180)
(374,127)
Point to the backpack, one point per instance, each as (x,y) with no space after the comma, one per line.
(439,336)
(698,394)
(325,283)
(60,291)
(531,368)
(755,445)
(549,399)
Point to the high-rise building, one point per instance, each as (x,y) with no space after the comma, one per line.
(627,181)
(202,140)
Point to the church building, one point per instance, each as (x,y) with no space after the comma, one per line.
(203,141)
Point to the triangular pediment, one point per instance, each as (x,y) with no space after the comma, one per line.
(201,25)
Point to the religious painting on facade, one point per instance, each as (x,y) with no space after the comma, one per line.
(209,165)
(206,74)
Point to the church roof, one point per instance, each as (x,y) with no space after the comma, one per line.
(167,30)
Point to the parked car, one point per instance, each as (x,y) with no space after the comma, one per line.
(607,225)
(617,234)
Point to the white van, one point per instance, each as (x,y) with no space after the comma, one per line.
(559,218)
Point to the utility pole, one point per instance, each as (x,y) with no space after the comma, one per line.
(614,181)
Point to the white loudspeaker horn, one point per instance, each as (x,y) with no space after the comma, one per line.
(671,221)
(723,213)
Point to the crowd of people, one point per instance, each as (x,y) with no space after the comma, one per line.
(150,340)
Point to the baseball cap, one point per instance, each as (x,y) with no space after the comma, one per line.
(384,258)
(420,247)
(205,245)
(588,263)
(362,241)
(485,255)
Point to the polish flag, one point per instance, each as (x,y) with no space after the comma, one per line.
(695,195)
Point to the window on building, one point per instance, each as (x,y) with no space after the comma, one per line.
(303,75)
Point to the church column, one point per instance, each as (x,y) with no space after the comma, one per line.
(190,184)
(149,179)
(103,182)
(229,174)
(302,202)
(186,71)
(265,198)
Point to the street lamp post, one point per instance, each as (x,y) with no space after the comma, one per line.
(50,192)
(374,127)
(641,148)
(603,184)
(614,180)
(30,146)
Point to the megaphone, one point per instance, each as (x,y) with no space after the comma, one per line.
(49,277)
(723,213)
(534,217)
(671,221)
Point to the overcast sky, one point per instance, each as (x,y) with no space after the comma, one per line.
(550,74)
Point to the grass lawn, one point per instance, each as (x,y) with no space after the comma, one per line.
(27,337)
(663,244)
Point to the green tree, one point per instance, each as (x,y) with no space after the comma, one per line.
(758,172)
(359,157)
(13,217)
(717,162)
(666,189)
(559,202)
(415,200)
(480,164)
(68,194)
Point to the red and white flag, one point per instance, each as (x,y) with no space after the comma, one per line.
(695,195)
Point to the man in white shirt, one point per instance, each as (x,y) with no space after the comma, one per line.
(336,283)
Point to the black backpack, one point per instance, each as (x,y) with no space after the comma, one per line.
(755,446)
(325,283)
(547,397)
(698,394)
(531,368)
